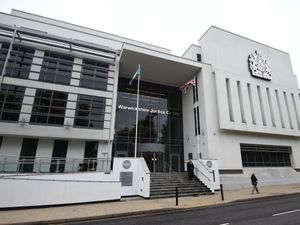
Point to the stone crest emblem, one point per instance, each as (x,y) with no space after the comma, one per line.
(126,164)
(259,66)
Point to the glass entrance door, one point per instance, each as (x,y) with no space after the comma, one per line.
(154,161)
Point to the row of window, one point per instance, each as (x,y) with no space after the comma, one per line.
(49,107)
(265,155)
(28,156)
(56,67)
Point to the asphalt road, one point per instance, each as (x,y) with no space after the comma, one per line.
(274,211)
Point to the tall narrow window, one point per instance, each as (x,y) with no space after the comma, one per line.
(1,139)
(288,110)
(280,110)
(194,94)
(271,107)
(228,90)
(251,104)
(198,120)
(196,87)
(241,102)
(262,110)
(195,121)
(59,156)
(90,155)
(295,110)
(27,155)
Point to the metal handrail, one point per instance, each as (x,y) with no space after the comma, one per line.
(14,164)
(172,171)
(203,173)
(208,170)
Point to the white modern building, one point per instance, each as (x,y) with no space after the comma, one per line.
(68,113)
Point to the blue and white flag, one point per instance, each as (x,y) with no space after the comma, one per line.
(137,73)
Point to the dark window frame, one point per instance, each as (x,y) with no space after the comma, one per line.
(11,99)
(20,60)
(90,111)
(41,110)
(96,73)
(56,68)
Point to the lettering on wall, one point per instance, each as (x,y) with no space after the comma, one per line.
(157,111)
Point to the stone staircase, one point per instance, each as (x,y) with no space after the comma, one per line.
(164,184)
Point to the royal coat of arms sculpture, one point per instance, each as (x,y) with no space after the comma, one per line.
(259,66)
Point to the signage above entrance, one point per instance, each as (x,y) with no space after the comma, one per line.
(259,66)
(158,111)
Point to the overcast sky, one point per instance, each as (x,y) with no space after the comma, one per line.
(175,24)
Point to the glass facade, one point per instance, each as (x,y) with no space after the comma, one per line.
(49,107)
(19,62)
(56,68)
(11,98)
(160,138)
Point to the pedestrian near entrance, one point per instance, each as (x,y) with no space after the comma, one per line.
(190,169)
(254,183)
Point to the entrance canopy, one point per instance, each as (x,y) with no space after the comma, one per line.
(157,67)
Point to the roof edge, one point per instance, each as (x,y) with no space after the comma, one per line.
(212,26)
(14,12)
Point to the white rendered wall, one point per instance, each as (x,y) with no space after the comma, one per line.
(141,176)
(228,54)
(58,189)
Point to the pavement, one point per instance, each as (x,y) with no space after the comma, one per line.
(136,206)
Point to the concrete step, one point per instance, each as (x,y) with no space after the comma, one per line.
(164,185)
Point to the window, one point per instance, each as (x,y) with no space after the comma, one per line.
(265,155)
(20,60)
(195,121)
(1,139)
(199,57)
(56,68)
(94,75)
(11,98)
(49,107)
(90,156)
(27,155)
(59,153)
(90,112)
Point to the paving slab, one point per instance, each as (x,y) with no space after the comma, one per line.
(135,206)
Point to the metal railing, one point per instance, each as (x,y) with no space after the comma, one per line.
(13,164)
(173,175)
(204,174)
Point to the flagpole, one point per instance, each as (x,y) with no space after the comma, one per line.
(137,114)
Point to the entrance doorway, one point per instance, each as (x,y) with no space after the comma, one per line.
(154,161)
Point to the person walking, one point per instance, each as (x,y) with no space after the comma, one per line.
(254,183)
(190,169)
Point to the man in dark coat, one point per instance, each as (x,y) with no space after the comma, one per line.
(190,169)
(254,183)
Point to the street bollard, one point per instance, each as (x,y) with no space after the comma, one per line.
(176,196)
(222,194)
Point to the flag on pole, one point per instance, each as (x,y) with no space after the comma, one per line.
(186,86)
(137,73)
